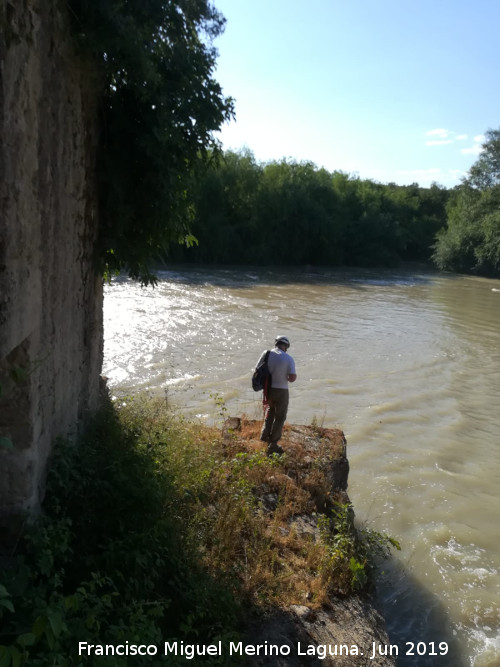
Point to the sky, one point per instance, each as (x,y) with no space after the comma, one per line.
(396,91)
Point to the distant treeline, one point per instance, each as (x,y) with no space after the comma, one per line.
(289,213)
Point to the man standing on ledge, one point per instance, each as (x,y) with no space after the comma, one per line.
(282,368)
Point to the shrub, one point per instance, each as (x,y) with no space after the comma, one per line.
(159,529)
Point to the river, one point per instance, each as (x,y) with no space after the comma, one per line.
(407,364)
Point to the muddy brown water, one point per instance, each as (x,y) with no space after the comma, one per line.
(406,363)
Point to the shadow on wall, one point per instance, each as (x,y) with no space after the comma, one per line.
(50,294)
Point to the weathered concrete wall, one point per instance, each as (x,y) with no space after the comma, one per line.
(50,295)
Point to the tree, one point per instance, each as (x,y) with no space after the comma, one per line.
(292,213)
(471,240)
(420,214)
(485,172)
(160,106)
(295,209)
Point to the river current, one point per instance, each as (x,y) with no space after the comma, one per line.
(407,364)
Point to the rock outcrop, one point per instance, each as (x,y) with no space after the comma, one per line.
(50,294)
(347,630)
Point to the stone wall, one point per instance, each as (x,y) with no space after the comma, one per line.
(50,294)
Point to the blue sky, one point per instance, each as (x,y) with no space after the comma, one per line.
(391,90)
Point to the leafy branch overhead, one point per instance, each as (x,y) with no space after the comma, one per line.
(160,106)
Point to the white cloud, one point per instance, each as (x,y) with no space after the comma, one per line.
(443,137)
(438,132)
(476,148)
(473,150)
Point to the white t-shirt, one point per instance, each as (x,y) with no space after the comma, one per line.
(281,365)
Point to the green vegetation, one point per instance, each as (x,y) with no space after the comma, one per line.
(296,214)
(470,243)
(351,556)
(162,179)
(159,106)
(155,529)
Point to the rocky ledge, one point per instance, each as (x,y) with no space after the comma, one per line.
(344,629)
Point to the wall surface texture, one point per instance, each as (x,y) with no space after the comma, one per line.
(50,294)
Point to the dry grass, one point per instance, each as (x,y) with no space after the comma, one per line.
(254,500)
(253,519)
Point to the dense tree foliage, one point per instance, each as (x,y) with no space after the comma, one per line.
(159,107)
(294,213)
(471,240)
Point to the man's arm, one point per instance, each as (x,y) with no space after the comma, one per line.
(292,377)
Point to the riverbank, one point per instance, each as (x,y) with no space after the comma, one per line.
(337,625)
(157,529)
(406,364)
